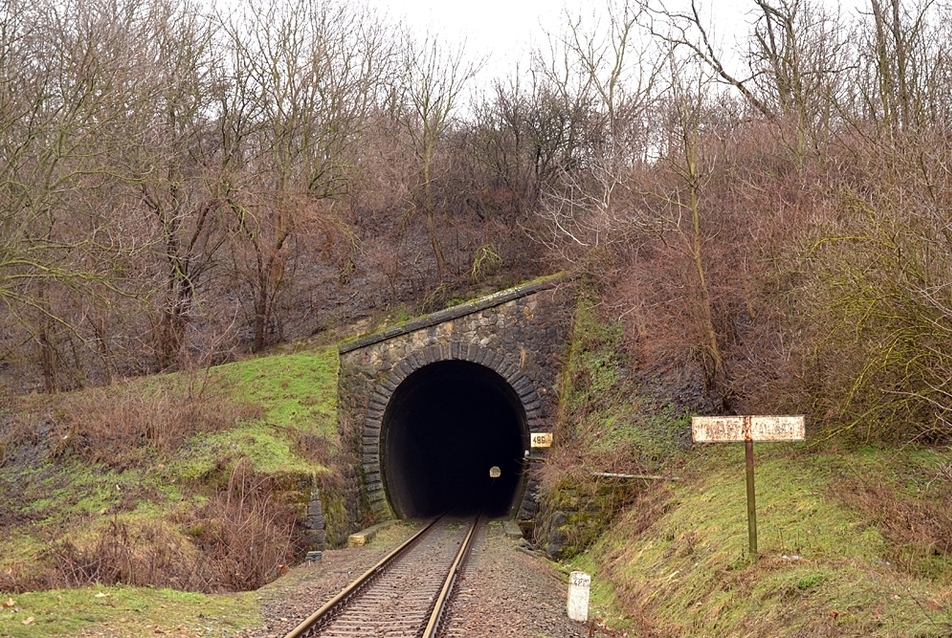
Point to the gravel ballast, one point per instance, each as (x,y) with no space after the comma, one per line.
(505,589)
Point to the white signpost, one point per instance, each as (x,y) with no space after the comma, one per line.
(734,429)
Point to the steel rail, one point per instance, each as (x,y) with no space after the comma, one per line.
(432,627)
(340,599)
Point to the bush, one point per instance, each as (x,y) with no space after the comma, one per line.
(119,426)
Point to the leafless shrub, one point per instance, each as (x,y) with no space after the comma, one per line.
(244,532)
(240,540)
(878,294)
(119,424)
(148,554)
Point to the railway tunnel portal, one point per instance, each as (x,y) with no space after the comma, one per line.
(438,413)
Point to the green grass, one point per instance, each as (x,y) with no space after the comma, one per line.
(604,410)
(824,566)
(130,612)
(298,394)
(270,449)
(296,390)
(61,497)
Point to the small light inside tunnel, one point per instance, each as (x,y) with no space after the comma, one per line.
(444,427)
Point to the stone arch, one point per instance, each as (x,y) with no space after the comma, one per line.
(518,380)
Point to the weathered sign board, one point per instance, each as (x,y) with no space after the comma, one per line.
(726,429)
(747,429)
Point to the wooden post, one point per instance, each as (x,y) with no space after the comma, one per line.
(714,429)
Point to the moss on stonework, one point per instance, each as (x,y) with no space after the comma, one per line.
(605,426)
(579,509)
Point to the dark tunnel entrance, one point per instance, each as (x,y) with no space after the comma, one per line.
(444,428)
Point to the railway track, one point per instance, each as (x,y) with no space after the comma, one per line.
(402,596)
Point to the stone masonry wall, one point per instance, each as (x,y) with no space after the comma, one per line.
(521,333)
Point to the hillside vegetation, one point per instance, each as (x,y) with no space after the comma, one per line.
(167,481)
(771,220)
(850,544)
(764,227)
(852,540)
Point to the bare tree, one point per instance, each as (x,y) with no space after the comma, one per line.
(428,92)
(674,212)
(799,59)
(688,30)
(63,93)
(613,74)
(904,83)
(177,166)
(304,76)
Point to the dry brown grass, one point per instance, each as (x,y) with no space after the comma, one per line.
(241,539)
(245,533)
(916,530)
(141,554)
(121,426)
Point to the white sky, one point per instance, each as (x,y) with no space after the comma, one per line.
(503,23)
(507,29)
(501,30)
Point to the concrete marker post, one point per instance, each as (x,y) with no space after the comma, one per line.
(580,585)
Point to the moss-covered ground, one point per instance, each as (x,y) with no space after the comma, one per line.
(59,506)
(839,552)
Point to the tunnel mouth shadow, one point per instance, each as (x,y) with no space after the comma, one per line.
(445,428)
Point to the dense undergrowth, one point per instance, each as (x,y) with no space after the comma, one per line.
(193,481)
(853,540)
(611,430)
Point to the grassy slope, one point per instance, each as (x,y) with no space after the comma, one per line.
(675,564)
(131,612)
(867,534)
(296,395)
(833,560)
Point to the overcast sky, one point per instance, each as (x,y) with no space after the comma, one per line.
(507,29)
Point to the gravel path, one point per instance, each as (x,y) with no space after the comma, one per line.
(519,594)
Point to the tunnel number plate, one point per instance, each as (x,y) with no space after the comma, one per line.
(541,439)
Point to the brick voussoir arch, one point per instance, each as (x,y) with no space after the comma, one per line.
(522,386)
